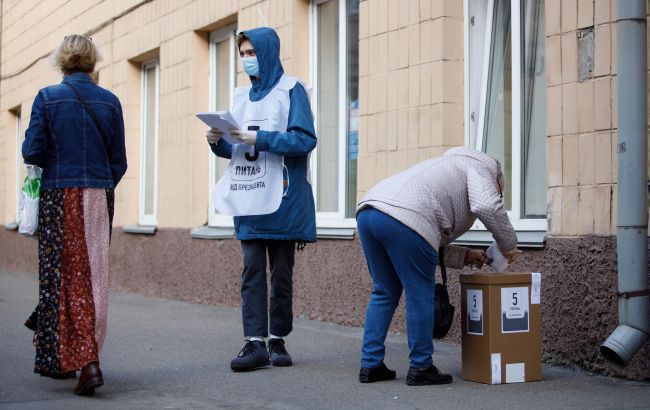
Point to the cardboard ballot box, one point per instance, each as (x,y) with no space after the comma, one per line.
(501,327)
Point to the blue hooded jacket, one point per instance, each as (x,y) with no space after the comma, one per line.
(296,218)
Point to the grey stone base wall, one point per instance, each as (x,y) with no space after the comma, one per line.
(331,283)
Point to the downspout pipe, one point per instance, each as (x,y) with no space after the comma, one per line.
(632,209)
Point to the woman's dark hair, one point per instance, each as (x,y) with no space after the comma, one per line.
(241,37)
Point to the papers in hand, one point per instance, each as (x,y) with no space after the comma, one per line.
(496,260)
(223,121)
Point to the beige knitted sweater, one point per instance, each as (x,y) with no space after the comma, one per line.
(441,198)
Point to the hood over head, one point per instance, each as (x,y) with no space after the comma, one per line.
(267,49)
(489,162)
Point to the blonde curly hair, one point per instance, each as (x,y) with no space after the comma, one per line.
(76,54)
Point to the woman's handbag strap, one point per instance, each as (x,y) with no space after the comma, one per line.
(92,115)
(443,270)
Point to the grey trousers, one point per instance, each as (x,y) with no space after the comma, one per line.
(256,312)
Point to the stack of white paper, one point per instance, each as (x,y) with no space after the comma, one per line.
(223,121)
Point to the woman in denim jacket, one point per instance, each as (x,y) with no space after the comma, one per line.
(76,134)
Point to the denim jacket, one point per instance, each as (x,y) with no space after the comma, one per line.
(63,139)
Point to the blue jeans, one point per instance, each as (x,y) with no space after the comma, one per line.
(398,258)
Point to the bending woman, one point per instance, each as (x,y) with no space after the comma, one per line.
(402,222)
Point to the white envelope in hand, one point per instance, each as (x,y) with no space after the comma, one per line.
(498,262)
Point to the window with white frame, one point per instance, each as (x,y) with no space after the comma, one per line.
(505,91)
(19,161)
(335,77)
(222,85)
(149,144)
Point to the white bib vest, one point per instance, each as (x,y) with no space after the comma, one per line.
(253,182)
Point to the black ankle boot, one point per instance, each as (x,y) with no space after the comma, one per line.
(252,356)
(427,376)
(376,374)
(90,378)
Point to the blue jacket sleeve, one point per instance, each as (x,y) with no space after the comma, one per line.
(300,137)
(222,148)
(35,144)
(117,154)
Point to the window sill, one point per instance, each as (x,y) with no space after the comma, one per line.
(215,232)
(139,229)
(212,232)
(525,239)
(335,233)
(11,226)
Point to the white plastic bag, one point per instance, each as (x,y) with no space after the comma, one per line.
(28,213)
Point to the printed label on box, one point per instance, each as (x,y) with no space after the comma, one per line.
(514,310)
(535,288)
(496,368)
(474,311)
(515,372)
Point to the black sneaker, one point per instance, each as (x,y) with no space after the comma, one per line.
(376,374)
(278,353)
(252,356)
(428,375)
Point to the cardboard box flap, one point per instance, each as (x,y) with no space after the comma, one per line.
(495,278)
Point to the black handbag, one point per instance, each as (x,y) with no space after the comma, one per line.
(443,314)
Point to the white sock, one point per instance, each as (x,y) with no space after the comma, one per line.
(272,336)
(257,338)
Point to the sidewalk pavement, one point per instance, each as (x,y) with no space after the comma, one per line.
(169,354)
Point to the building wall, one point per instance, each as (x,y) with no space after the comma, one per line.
(410,84)
(581,176)
(581,119)
(411,109)
(129,33)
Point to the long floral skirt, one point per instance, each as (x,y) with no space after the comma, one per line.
(73,237)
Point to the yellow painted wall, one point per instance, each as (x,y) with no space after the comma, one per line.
(581,120)
(128,33)
(410,85)
(410,90)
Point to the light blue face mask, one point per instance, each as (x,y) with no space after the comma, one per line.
(251,67)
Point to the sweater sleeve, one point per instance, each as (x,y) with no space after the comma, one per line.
(486,203)
(455,256)
(300,137)
(222,148)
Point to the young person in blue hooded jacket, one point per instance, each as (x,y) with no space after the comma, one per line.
(293,224)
